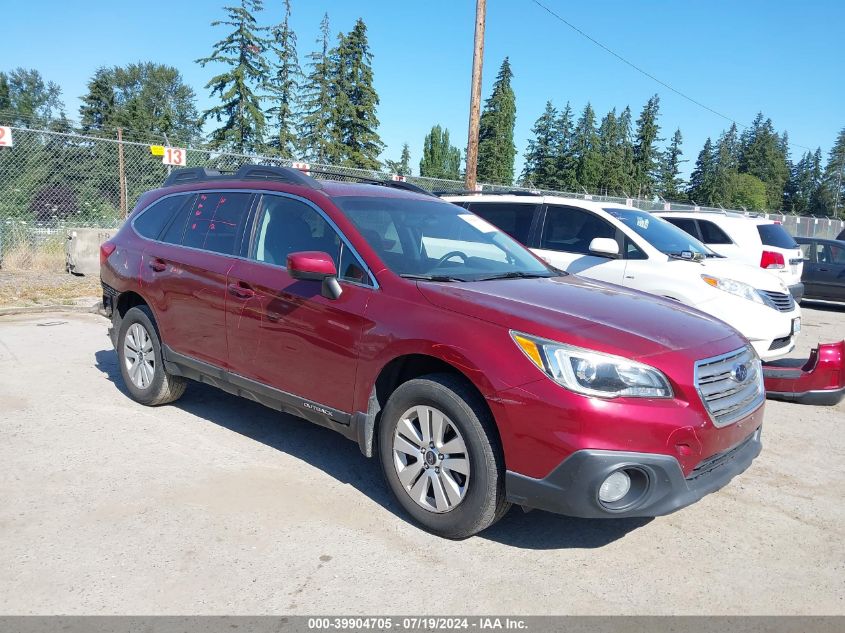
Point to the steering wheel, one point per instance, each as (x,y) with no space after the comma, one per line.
(449,255)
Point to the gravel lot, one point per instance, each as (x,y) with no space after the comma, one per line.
(217,505)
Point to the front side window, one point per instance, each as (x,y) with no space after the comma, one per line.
(432,239)
(685,224)
(288,226)
(513,219)
(830,254)
(571,230)
(712,234)
(215,220)
(806,251)
(662,235)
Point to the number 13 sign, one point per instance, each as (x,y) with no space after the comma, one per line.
(5,136)
(174,156)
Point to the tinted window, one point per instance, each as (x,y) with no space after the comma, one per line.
(215,220)
(150,223)
(513,219)
(775,235)
(712,234)
(830,254)
(571,230)
(434,238)
(806,250)
(684,224)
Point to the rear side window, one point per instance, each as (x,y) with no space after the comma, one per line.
(685,224)
(571,230)
(712,234)
(215,220)
(775,235)
(513,219)
(805,251)
(150,222)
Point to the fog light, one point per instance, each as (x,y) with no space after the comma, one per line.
(615,487)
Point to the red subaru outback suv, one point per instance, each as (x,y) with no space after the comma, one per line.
(480,376)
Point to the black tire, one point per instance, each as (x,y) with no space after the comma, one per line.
(484,501)
(164,387)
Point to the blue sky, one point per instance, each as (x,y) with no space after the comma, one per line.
(784,58)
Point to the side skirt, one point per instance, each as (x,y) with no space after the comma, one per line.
(344,423)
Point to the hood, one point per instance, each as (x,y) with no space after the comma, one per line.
(587,313)
(757,277)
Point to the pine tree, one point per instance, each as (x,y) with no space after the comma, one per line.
(496,148)
(645,148)
(832,189)
(726,167)
(283,86)
(357,142)
(440,159)
(613,178)
(671,183)
(98,106)
(627,151)
(540,157)
(703,176)
(5,99)
(585,149)
(401,167)
(315,130)
(803,181)
(240,110)
(565,178)
(762,155)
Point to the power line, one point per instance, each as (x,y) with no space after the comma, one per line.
(645,72)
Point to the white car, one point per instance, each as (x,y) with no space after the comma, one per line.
(755,241)
(634,248)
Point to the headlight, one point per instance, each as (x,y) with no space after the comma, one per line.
(593,373)
(737,288)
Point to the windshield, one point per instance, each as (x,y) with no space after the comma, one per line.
(664,236)
(437,240)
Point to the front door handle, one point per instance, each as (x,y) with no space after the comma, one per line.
(241,291)
(158,265)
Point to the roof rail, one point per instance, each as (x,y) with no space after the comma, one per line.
(395,184)
(247,172)
(510,192)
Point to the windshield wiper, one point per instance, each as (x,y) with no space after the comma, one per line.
(691,257)
(714,255)
(515,274)
(430,277)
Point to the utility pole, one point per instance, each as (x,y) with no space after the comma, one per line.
(475,96)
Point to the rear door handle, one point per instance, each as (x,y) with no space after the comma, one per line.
(158,265)
(241,291)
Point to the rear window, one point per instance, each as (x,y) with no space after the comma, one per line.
(214,221)
(775,235)
(684,224)
(513,219)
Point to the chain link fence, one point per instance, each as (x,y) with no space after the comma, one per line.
(50,181)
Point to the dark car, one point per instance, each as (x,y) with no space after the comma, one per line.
(824,268)
(479,375)
(841,236)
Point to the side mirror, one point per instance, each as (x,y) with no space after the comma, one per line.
(315,266)
(604,247)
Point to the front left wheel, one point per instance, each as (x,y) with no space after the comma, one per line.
(141,365)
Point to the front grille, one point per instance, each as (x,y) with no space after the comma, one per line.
(780,343)
(727,394)
(714,461)
(783,302)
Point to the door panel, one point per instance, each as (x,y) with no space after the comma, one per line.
(829,271)
(282,331)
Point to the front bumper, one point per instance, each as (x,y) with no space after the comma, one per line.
(572,488)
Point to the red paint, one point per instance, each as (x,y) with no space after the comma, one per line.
(311,262)
(823,371)
(286,334)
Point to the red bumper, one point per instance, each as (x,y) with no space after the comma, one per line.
(818,380)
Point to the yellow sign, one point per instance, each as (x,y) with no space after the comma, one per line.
(157,150)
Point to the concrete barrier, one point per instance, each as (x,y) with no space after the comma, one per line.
(82,249)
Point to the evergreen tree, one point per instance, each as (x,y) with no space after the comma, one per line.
(5,98)
(671,183)
(614,178)
(283,86)
(645,149)
(98,106)
(315,129)
(401,167)
(624,126)
(440,159)
(703,176)
(496,148)
(832,189)
(26,99)
(540,157)
(726,167)
(242,51)
(357,142)
(585,149)
(762,156)
(564,159)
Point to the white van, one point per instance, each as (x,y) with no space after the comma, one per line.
(636,249)
(754,241)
